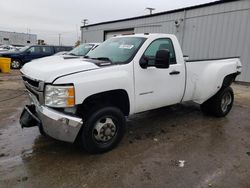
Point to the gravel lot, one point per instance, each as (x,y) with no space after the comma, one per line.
(216,151)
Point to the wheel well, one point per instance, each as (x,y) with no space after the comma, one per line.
(12,59)
(17,59)
(118,98)
(229,79)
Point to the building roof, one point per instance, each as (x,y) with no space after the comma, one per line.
(162,13)
(13,32)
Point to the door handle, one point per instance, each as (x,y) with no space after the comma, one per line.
(174,72)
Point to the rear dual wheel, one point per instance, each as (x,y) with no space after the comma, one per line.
(220,104)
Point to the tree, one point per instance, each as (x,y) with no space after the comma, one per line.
(77,43)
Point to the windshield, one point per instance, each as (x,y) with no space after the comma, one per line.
(117,50)
(81,50)
(24,48)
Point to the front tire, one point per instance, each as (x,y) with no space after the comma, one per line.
(16,64)
(220,104)
(103,130)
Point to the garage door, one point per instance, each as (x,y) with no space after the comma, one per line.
(109,34)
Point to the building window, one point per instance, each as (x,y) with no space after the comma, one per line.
(6,39)
(28,42)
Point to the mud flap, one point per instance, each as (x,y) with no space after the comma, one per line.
(28,117)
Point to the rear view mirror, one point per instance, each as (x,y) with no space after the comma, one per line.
(162,59)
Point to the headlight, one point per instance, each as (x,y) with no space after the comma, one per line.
(59,96)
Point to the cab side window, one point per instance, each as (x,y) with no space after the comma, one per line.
(47,50)
(34,50)
(160,44)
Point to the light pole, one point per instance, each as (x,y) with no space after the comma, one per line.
(150,10)
(59,35)
(85,22)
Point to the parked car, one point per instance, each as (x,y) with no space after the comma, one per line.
(4,48)
(61,53)
(80,50)
(89,98)
(83,49)
(26,54)
(19,47)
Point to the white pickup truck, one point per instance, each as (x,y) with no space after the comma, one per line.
(88,98)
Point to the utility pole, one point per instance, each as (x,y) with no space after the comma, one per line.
(28,32)
(85,22)
(76,32)
(59,39)
(150,10)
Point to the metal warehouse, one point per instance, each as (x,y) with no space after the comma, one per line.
(17,39)
(214,30)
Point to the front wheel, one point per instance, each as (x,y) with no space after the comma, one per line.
(103,130)
(220,104)
(16,64)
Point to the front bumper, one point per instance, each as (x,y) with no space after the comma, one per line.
(55,124)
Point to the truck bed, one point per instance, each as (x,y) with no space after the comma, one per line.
(205,77)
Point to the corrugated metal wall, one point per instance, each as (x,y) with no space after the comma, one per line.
(216,31)
(17,38)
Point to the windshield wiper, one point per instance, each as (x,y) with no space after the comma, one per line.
(71,54)
(103,59)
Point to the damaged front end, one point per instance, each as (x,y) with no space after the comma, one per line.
(27,118)
(54,123)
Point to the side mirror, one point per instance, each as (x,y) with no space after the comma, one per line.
(162,59)
(28,52)
(144,62)
(186,57)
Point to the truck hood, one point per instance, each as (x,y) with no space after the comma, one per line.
(49,68)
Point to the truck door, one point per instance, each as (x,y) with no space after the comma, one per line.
(155,87)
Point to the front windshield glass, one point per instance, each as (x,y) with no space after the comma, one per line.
(117,50)
(81,50)
(24,48)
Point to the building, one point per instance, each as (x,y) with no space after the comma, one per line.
(214,30)
(17,39)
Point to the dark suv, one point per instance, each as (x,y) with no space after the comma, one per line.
(26,54)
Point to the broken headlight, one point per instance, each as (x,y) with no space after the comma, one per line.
(59,96)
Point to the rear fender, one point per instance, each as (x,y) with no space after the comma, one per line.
(213,78)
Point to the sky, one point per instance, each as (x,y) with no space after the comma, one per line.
(49,18)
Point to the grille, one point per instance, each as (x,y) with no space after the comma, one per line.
(34,87)
(31,82)
(35,94)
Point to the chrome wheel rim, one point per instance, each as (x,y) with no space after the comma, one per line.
(104,130)
(226,101)
(15,64)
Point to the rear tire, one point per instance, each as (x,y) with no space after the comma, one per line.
(103,130)
(220,104)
